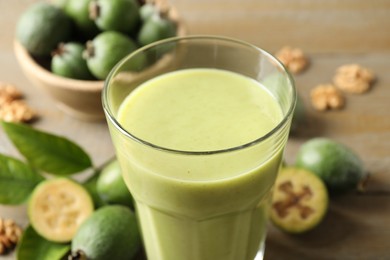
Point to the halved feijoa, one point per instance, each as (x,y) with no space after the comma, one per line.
(57,208)
(300,200)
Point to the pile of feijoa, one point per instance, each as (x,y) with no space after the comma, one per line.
(84,39)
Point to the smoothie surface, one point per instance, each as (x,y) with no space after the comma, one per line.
(199,110)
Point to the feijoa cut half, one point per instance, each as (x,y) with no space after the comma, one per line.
(57,207)
(300,200)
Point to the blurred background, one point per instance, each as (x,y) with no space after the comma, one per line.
(315,25)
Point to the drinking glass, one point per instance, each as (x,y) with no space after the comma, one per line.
(221,212)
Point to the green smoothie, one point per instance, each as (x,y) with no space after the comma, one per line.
(200,205)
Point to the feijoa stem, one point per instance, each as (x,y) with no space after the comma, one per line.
(94,10)
(89,51)
(60,50)
(78,255)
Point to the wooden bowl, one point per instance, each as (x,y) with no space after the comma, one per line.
(79,98)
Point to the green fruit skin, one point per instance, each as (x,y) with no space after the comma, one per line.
(155,29)
(42,27)
(70,62)
(147,10)
(109,48)
(59,3)
(111,232)
(91,186)
(78,10)
(111,186)
(338,166)
(119,15)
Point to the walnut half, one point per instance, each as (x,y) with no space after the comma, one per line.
(326,96)
(10,91)
(353,78)
(16,111)
(10,234)
(293,58)
(12,108)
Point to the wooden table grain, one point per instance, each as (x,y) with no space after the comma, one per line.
(332,33)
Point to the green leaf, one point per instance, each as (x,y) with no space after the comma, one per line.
(34,247)
(17,180)
(48,152)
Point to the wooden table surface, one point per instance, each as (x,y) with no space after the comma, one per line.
(332,33)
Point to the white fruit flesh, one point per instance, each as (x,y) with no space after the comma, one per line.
(300,200)
(58,207)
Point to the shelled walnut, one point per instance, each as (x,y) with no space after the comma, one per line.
(293,58)
(10,234)
(326,96)
(12,108)
(16,111)
(10,91)
(353,78)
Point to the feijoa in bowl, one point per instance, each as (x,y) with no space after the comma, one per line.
(40,40)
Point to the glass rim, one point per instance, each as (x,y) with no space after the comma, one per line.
(119,127)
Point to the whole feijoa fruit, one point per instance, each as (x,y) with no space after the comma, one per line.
(78,10)
(116,15)
(337,165)
(106,50)
(111,186)
(156,28)
(68,61)
(299,201)
(57,208)
(111,232)
(42,27)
